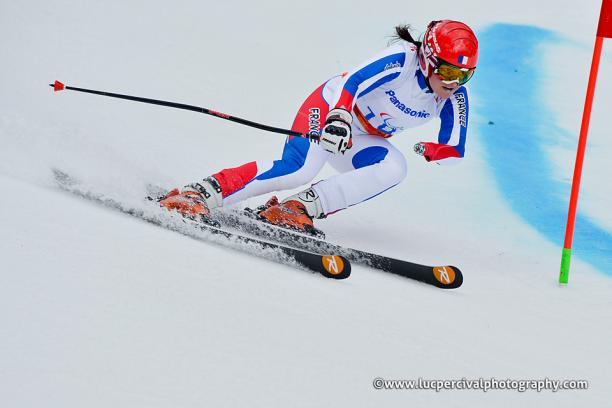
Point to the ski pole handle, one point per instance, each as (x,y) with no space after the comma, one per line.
(58,86)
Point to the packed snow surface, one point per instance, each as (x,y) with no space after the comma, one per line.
(100,309)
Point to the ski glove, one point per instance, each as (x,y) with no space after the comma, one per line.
(420,149)
(336,137)
(435,151)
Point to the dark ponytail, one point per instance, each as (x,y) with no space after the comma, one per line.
(402,32)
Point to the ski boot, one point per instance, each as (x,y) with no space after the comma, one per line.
(195,200)
(295,213)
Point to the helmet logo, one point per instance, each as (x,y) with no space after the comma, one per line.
(435,39)
(427,59)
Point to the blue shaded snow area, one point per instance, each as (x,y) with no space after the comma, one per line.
(517,126)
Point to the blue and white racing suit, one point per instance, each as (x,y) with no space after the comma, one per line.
(386,94)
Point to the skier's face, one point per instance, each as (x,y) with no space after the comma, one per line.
(442,89)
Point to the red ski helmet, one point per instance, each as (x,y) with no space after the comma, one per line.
(448,41)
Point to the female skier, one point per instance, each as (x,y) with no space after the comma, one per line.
(406,85)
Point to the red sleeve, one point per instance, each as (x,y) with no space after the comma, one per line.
(435,151)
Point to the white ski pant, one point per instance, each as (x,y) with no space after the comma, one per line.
(370,167)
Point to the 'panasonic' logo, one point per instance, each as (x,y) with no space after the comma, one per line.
(396,102)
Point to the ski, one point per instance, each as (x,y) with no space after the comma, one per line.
(444,276)
(329,265)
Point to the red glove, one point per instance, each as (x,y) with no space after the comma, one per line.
(435,151)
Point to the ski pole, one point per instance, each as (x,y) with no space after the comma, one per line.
(58,86)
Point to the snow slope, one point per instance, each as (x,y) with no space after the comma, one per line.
(100,309)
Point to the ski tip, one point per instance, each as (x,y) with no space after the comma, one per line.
(447,277)
(335,267)
(57,86)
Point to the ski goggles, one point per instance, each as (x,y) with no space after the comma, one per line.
(449,73)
